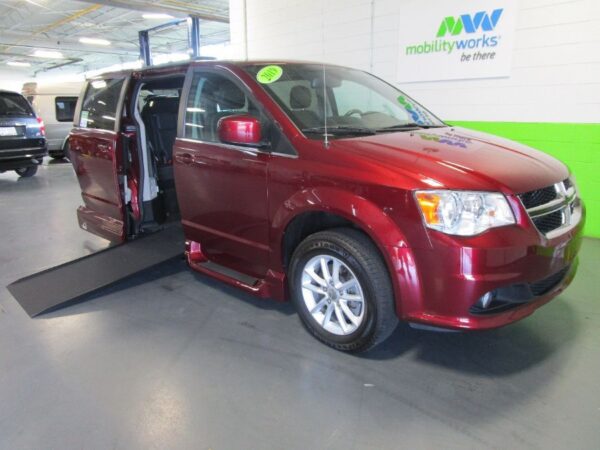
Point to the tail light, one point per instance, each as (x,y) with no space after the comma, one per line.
(42,126)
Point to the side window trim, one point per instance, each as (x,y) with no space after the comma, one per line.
(121,103)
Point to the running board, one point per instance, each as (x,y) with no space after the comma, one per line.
(256,286)
(68,282)
(229,273)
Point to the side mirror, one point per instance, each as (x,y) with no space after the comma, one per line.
(240,130)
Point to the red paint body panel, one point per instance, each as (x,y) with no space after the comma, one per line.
(236,204)
(222,194)
(96,161)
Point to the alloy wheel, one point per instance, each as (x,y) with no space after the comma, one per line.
(333,295)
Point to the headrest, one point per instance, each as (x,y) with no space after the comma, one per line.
(229,96)
(163,104)
(300,97)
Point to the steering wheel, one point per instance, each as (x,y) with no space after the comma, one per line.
(352,112)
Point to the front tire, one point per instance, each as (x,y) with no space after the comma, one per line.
(342,290)
(26,172)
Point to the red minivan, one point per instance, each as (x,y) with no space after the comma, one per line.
(327,186)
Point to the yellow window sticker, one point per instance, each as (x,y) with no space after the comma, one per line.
(269,74)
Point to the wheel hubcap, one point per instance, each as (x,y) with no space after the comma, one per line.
(333,295)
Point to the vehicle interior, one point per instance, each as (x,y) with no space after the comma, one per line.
(156,111)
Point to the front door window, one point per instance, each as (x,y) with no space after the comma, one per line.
(212,97)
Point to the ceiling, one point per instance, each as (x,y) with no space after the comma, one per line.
(27,26)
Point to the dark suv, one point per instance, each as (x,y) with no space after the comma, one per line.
(22,135)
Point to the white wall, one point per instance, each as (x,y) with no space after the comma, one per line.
(556,60)
(12,80)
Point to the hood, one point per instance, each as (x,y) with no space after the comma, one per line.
(456,158)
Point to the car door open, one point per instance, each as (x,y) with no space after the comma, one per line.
(97,158)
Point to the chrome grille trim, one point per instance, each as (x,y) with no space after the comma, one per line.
(566,202)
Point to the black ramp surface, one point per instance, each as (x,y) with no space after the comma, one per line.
(61,284)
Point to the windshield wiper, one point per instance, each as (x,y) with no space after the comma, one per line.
(340,130)
(408,126)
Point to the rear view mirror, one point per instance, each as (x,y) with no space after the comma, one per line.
(240,130)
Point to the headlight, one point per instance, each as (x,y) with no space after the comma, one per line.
(464,213)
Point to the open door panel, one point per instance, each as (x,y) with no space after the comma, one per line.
(97,156)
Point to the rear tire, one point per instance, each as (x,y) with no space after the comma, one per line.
(342,290)
(66,150)
(26,172)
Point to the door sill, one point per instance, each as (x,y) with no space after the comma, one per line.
(239,277)
(273,286)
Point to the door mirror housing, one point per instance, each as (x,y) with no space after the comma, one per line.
(240,130)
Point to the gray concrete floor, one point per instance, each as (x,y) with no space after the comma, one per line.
(172,359)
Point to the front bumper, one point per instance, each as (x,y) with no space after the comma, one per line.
(442,285)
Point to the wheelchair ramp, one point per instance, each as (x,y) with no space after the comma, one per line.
(68,282)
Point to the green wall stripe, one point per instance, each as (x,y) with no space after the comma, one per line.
(576,144)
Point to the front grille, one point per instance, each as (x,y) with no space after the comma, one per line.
(538,197)
(552,207)
(547,284)
(549,222)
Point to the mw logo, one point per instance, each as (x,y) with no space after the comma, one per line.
(469,23)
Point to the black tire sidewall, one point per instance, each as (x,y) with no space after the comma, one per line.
(302,255)
(26,172)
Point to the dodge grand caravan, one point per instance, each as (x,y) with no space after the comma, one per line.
(22,141)
(329,187)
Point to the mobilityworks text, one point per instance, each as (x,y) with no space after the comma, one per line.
(453,26)
(443,45)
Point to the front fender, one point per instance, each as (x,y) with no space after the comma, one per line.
(359,210)
(367,216)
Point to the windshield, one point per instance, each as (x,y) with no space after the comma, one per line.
(355,102)
(14,105)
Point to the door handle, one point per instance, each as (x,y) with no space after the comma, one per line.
(185,158)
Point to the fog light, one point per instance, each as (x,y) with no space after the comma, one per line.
(485,301)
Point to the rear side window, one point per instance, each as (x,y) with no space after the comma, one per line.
(65,108)
(99,107)
(14,105)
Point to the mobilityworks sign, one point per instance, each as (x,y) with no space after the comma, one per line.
(472,26)
(468,39)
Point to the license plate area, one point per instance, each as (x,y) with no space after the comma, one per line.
(8,131)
